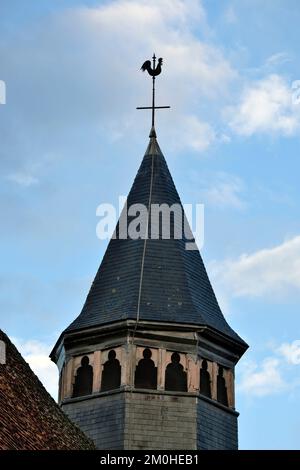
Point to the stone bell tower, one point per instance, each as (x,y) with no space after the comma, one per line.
(149,362)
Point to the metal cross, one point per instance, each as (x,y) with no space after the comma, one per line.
(154,71)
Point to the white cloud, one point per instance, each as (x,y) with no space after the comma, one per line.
(77,72)
(193,69)
(291,352)
(261,380)
(272,375)
(165,26)
(267,272)
(23,179)
(199,135)
(278,59)
(266,106)
(37,356)
(33,171)
(194,134)
(225,191)
(230,15)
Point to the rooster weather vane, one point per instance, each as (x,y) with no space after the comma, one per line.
(153,72)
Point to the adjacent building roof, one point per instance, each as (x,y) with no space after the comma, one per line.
(158,281)
(29,418)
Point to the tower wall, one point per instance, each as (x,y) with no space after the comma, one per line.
(101,418)
(137,420)
(160,421)
(217,427)
(136,413)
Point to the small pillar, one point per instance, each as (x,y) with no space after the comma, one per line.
(97,372)
(213,370)
(132,362)
(193,373)
(69,375)
(125,365)
(161,369)
(229,380)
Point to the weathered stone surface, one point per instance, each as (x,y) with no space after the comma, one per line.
(101,418)
(160,421)
(216,427)
(130,420)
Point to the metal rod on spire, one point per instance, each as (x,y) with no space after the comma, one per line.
(153,72)
(153,90)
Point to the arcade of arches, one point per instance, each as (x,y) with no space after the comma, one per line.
(153,369)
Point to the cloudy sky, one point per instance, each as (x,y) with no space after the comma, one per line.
(70,139)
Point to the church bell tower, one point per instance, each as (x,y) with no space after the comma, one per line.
(149,362)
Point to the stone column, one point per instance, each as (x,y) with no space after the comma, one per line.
(69,375)
(193,373)
(132,364)
(213,370)
(161,368)
(97,371)
(61,385)
(125,365)
(229,380)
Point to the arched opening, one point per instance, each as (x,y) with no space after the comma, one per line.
(84,379)
(111,374)
(175,378)
(146,372)
(205,387)
(221,388)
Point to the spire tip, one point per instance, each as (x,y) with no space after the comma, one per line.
(152,133)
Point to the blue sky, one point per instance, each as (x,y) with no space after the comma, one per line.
(70,139)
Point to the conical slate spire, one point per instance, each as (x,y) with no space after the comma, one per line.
(160,281)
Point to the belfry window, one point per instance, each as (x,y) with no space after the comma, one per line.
(146,372)
(205,388)
(84,379)
(111,374)
(222,396)
(175,378)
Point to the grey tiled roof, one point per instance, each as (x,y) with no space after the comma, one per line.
(175,286)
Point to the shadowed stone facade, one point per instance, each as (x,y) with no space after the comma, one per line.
(128,417)
(137,420)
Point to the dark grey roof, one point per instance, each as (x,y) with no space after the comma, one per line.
(175,285)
